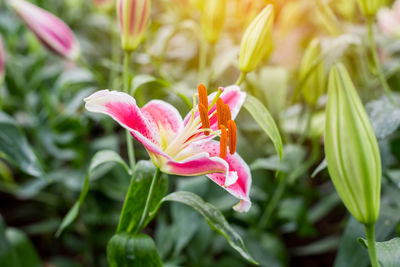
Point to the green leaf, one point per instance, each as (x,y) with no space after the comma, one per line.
(125,250)
(388,252)
(262,116)
(15,148)
(137,194)
(15,248)
(214,218)
(142,79)
(100,158)
(322,166)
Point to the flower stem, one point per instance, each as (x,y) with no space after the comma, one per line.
(241,78)
(370,231)
(115,56)
(129,141)
(380,74)
(156,177)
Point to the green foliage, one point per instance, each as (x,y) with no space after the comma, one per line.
(213,217)
(136,197)
(388,252)
(126,250)
(101,157)
(15,147)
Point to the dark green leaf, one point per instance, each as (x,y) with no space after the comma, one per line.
(214,218)
(262,116)
(137,194)
(388,252)
(15,248)
(125,250)
(15,147)
(100,158)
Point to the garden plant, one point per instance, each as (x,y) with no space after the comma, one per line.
(200,133)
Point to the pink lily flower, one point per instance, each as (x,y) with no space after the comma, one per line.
(133,16)
(2,60)
(52,32)
(185,147)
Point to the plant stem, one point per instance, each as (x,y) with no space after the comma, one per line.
(129,141)
(115,56)
(241,78)
(156,177)
(370,231)
(380,74)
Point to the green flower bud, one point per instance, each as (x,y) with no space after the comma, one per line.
(213,19)
(313,79)
(351,149)
(257,40)
(370,7)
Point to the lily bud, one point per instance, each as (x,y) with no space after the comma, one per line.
(257,40)
(370,7)
(314,80)
(133,16)
(351,149)
(52,32)
(213,18)
(2,60)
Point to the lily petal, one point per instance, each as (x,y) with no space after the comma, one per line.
(166,117)
(238,180)
(123,109)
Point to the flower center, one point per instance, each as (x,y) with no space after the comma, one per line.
(198,127)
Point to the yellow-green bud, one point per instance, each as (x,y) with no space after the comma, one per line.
(351,149)
(213,19)
(257,40)
(313,79)
(370,7)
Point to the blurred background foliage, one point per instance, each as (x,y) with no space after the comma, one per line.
(296,219)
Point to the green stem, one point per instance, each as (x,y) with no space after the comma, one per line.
(273,202)
(370,231)
(381,76)
(115,57)
(241,78)
(156,177)
(127,59)
(129,141)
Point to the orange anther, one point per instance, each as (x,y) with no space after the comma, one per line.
(205,122)
(220,112)
(223,142)
(203,99)
(227,114)
(232,132)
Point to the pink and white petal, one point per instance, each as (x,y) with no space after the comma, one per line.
(232,96)
(237,167)
(166,117)
(123,109)
(198,164)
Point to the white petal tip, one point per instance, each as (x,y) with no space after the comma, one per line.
(242,206)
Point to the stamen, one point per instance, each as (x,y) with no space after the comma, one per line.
(232,132)
(227,114)
(220,112)
(223,142)
(203,99)
(220,91)
(205,122)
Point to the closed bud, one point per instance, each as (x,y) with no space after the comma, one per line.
(370,7)
(212,19)
(133,16)
(2,61)
(52,32)
(313,77)
(257,40)
(351,149)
